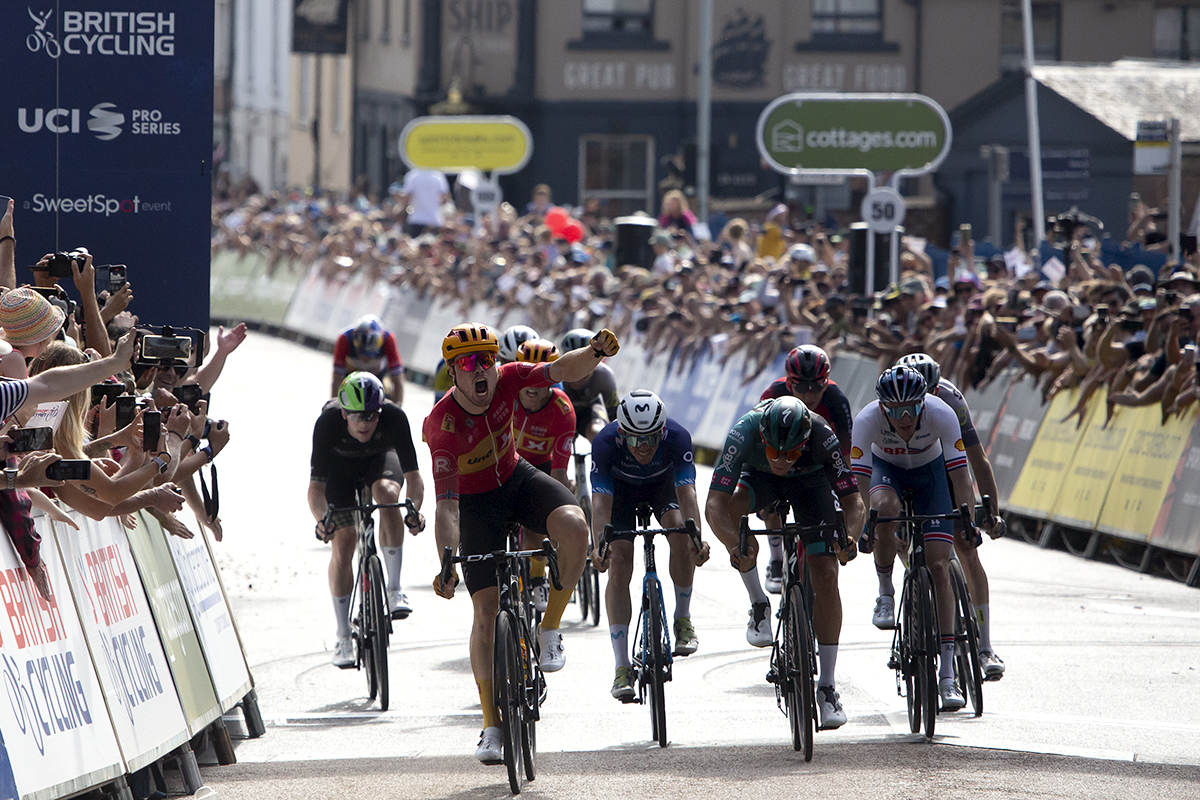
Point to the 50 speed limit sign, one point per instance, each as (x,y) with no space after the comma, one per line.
(883,209)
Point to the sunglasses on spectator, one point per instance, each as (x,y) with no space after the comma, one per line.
(786,455)
(362,416)
(473,361)
(805,387)
(909,409)
(645,440)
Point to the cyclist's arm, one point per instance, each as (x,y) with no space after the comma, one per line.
(415,487)
(855,513)
(984,477)
(842,420)
(317,503)
(960,482)
(573,366)
(717,507)
(445,524)
(601,516)
(689,505)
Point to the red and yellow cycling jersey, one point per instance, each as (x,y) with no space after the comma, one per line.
(474,453)
(546,434)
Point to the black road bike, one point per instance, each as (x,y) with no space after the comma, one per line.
(520,688)
(587,590)
(652,652)
(371,625)
(794,654)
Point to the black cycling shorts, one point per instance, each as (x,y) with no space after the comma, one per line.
(341,486)
(527,497)
(627,497)
(811,496)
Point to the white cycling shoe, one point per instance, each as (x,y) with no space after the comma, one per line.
(491,749)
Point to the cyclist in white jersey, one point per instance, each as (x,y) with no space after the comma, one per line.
(981,468)
(907,440)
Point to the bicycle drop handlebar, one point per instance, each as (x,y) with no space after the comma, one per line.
(689,527)
(963,515)
(839,528)
(412,519)
(546,551)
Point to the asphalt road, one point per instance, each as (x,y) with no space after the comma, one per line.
(1100,698)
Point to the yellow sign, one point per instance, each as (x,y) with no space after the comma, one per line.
(497,144)
(1144,472)
(1041,477)
(1086,483)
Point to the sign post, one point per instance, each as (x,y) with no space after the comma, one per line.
(906,135)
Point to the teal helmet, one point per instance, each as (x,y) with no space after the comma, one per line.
(785,424)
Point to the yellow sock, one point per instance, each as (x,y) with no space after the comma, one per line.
(555,607)
(537,567)
(487,701)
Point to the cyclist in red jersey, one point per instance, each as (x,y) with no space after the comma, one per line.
(807,379)
(544,424)
(481,483)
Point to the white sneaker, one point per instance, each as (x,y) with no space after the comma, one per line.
(758,629)
(541,596)
(343,653)
(952,699)
(398,604)
(829,705)
(553,656)
(884,617)
(993,666)
(774,579)
(490,750)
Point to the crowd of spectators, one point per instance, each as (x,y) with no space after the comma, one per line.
(1078,318)
(91,421)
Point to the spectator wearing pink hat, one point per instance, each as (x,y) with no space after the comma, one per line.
(30,322)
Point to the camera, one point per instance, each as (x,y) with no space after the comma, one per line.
(189,394)
(168,346)
(60,264)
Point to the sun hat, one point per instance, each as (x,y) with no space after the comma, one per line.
(28,318)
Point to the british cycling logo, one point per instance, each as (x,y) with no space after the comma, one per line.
(103,33)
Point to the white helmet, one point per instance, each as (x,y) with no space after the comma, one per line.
(641,412)
(512,339)
(575,339)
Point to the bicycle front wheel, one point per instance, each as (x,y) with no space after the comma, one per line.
(508,689)
(583,592)
(593,577)
(909,642)
(926,661)
(656,663)
(378,630)
(968,671)
(800,694)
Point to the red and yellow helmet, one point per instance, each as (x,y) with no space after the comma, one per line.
(537,351)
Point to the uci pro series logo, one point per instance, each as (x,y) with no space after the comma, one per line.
(105,121)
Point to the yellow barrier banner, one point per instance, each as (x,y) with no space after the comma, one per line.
(1178,525)
(1144,472)
(1086,482)
(1053,449)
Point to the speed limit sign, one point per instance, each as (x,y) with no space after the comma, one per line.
(883,209)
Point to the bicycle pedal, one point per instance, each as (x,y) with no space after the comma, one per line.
(772,676)
(893,663)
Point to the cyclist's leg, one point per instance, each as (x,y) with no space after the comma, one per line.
(977,583)
(485,602)
(481,530)
(616,598)
(341,494)
(546,507)
(886,501)
(933,497)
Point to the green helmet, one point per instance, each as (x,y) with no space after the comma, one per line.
(361,391)
(785,423)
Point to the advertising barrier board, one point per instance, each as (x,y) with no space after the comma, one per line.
(1037,487)
(170,608)
(1086,482)
(58,737)
(120,630)
(242,287)
(1010,437)
(1177,526)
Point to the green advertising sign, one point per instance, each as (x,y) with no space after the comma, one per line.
(842,133)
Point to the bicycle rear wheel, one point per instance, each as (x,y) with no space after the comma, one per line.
(508,690)
(926,661)
(590,573)
(656,663)
(800,693)
(969,672)
(910,645)
(362,633)
(529,713)
(583,593)
(378,630)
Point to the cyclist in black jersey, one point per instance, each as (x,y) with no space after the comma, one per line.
(362,438)
(595,397)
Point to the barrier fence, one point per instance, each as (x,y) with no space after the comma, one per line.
(131,656)
(1130,476)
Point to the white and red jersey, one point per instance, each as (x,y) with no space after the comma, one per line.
(938,435)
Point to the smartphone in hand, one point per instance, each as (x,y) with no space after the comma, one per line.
(70,470)
(28,440)
(151,430)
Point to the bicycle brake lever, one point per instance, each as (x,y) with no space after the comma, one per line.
(552,561)
(447,565)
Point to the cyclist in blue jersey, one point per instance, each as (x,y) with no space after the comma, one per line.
(644,457)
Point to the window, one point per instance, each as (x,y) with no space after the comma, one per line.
(1177,32)
(385,28)
(618,171)
(855,17)
(630,17)
(1012,35)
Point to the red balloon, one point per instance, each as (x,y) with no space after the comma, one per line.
(573,231)
(556,219)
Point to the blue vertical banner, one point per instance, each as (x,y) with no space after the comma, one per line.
(106,142)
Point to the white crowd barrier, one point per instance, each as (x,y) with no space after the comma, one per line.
(133,653)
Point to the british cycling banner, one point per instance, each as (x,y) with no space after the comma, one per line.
(120,630)
(58,738)
(106,130)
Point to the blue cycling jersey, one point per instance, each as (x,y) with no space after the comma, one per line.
(611,459)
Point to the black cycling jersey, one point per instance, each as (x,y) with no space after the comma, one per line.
(336,452)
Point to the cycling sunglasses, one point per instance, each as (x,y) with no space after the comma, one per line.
(805,387)
(473,361)
(362,416)
(910,410)
(787,455)
(645,440)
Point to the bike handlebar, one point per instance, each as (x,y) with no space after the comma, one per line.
(546,551)
(412,519)
(839,527)
(964,515)
(689,527)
